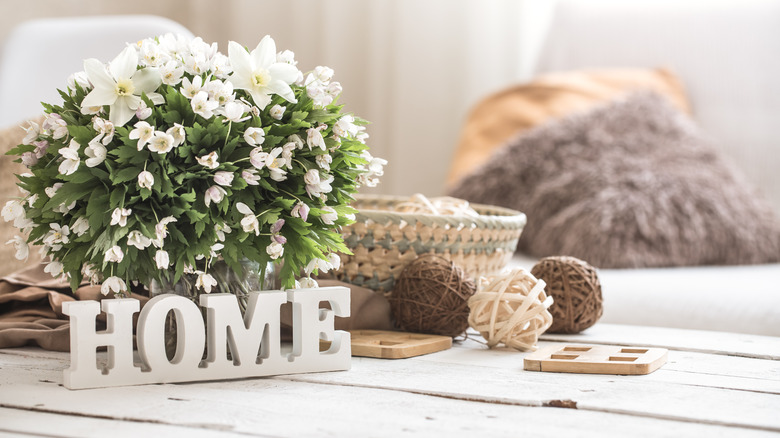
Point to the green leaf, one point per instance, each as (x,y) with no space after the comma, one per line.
(127,174)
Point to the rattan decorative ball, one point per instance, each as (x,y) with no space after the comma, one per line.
(511,309)
(431,296)
(575,287)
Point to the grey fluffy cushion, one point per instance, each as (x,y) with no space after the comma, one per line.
(629,184)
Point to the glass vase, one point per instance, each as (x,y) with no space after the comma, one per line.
(252,277)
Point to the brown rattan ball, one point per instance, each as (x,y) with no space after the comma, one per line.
(575,287)
(431,296)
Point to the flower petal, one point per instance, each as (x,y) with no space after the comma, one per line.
(99,96)
(261,99)
(125,64)
(146,80)
(243,208)
(96,72)
(282,89)
(120,113)
(264,54)
(156,98)
(239,58)
(284,72)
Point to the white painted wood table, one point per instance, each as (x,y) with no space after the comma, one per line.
(714,384)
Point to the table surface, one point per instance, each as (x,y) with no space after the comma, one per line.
(714,384)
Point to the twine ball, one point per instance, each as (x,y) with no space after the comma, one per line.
(431,296)
(576,289)
(511,309)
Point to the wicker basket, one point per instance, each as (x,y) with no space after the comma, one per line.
(384,241)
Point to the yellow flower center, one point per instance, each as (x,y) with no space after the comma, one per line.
(261,78)
(124,87)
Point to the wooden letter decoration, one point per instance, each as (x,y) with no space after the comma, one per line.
(234,346)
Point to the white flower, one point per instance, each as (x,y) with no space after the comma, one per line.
(54,268)
(172,73)
(90,273)
(13,210)
(114,254)
(318,264)
(324,161)
(295,138)
(145,179)
(161,143)
(56,125)
(71,162)
(33,131)
(119,216)
(51,191)
(323,74)
(345,126)
(220,92)
(234,111)
(287,57)
(251,177)
(161,229)
(143,112)
(64,208)
(314,138)
(143,132)
(277,111)
(209,160)
(287,154)
(79,78)
(275,250)
(113,284)
(260,74)
(177,132)
(191,89)
(249,223)
(95,152)
(152,54)
(203,106)
(223,178)
(220,65)
(40,148)
(214,194)
(308,283)
(57,236)
(334,89)
(257,157)
(104,128)
(312,177)
(301,210)
(137,239)
(121,86)
(22,250)
(254,136)
(334,260)
(161,259)
(81,226)
(275,165)
(221,230)
(205,281)
(329,215)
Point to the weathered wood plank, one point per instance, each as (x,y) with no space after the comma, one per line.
(279,407)
(734,344)
(32,422)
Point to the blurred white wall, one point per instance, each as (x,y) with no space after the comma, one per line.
(411,67)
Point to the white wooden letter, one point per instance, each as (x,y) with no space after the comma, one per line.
(190,336)
(310,324)
(258,329)
(84,339)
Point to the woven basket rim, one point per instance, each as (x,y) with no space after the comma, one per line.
(490,216)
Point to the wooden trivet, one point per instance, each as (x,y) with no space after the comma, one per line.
(396,345)
(596,359)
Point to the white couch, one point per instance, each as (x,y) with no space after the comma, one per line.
(726,53)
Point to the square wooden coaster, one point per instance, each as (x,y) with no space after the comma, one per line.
(396,345)
(596,359)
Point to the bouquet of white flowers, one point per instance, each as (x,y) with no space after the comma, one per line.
(174,156)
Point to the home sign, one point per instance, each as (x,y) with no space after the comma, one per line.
(253,340)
